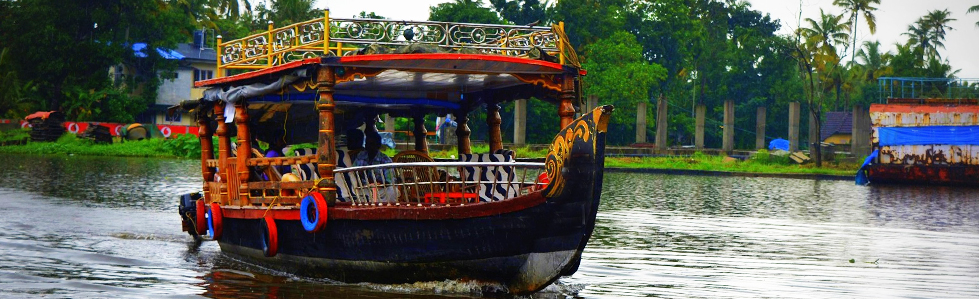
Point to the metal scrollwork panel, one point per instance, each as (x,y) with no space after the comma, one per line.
(231,53)
(283,39)
(357,29)
(256,47)
(310,33)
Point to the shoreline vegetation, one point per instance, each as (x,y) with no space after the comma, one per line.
(188,147)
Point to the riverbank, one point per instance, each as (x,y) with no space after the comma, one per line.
(759,164)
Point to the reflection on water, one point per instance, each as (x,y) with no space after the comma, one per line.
(107,227)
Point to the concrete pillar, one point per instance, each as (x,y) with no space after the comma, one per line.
(520,122)
(793,126)
(662,122)
(728,141)
(388,123)
(860,140)
(699,133)
(641,123)
(760,129)
(592,103)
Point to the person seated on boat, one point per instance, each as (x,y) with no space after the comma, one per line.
(277,149)
(381,179)
(355,141)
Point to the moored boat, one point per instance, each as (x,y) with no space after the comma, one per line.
(492,217)
(927,132)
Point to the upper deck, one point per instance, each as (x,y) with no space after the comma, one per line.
(399,65)
(341,37)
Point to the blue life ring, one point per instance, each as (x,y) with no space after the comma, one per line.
(270,237)
(215,221)
(313,212)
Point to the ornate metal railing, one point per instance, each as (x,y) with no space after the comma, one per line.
(309,39)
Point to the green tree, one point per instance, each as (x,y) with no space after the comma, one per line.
(522,12)
(464,11)
(619,75)
(875,63)
(972,9)
(63,45)
(854,8)
(587,21)
(285,12)
(936,22)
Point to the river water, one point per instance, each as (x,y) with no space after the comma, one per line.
(81,227)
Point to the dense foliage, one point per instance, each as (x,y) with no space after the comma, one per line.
(54,55)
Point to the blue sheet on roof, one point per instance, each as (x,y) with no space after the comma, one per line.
(165,53)
(780,143)
(959,135)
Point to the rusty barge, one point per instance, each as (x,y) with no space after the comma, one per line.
(926,138)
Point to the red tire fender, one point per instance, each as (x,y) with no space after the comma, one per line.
(215,224)
(270,237)
(200,222)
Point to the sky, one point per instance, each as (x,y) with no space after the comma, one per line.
(893,18)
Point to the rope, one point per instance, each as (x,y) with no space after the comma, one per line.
(571,57)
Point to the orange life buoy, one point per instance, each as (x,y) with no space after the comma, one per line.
(215,223)
(270,237)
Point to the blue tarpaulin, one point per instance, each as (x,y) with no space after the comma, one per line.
(862,178)
(780,143)
(165,53)
(958,135)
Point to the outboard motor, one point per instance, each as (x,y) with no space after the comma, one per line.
(192,214)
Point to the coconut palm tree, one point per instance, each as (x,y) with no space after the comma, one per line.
(826,34)
(854,8)
(919,37)
(937,22)
(875,63)
(974,8)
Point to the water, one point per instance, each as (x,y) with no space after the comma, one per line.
(107,227)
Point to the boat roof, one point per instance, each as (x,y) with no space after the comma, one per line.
(397,66)
(403,82)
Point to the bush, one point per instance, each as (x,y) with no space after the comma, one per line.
(183,145)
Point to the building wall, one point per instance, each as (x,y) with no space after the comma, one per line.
(175,90)
(172,92)
(838,139)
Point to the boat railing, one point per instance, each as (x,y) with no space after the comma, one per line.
(346,36)
(437,183)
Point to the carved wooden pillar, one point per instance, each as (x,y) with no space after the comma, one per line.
(493,121)
(224,145)
(207,151)
(462,130)
(421,143)
(244,149)
(566,107)
(326,153)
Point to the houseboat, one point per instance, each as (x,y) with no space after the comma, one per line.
(317,211)
(927,132)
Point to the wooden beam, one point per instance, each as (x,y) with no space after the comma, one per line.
(326,152)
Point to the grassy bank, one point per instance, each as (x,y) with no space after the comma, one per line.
(69,144)
(187,146)
(759,163)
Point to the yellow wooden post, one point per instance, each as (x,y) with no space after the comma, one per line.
(560,43)
(326,32)
(220,70)
(268,51)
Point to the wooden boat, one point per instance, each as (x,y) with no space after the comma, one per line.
(487,217)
